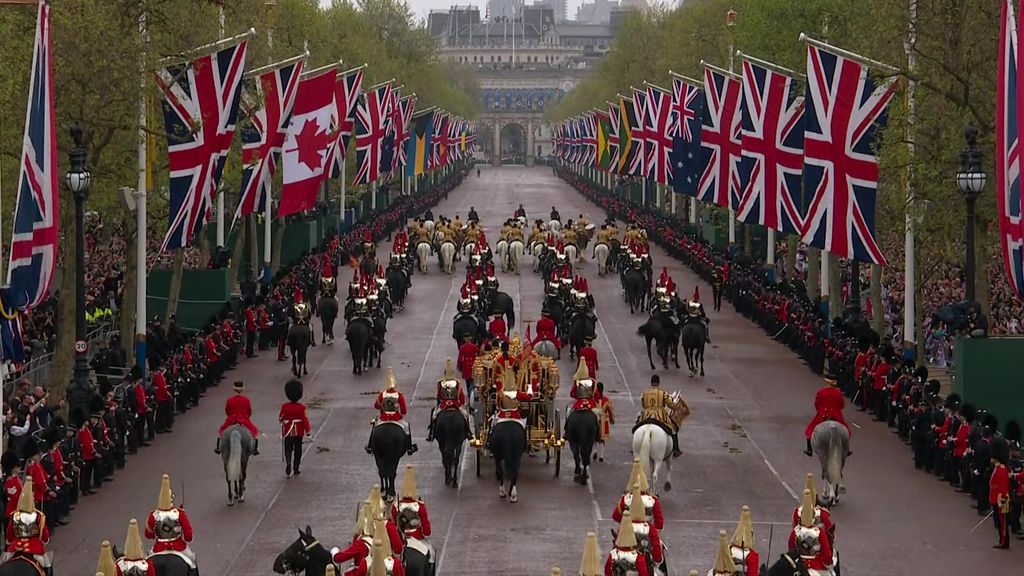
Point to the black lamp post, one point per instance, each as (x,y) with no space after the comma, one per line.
(78,180)
(970,179)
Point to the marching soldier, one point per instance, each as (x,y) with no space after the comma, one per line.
(238,410)
(659,407)
(391,404)
(27,531)
(410,512)
(652,504)
(717,287)
(169,526)
(626,559)
(724,566)
(746,559)
(999,491)
(450,396)
(294,426)
(134,562)
(828,405)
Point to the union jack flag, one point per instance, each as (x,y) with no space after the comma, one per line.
(371,128)
(773,142)
(388,155)
(659,135)
(36,214)
(720,139)
(687,112)
(845,108)
(349,88)
(589,128)
(556,140)
(201,101)
(638,128)
(267,101)
(614,126)
(1008,153)
(439,155)
(407,105)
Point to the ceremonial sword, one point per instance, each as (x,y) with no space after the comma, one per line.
(982,521)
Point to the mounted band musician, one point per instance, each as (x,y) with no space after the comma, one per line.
(661,408)
(391,404)
(450,396)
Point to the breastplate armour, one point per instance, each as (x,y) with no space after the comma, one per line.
(624,562)
(449,390)
(507,400)
(167,525)
(390,403)
(133,567)
(26,525)
(585,389)
(409,515)
(642,531)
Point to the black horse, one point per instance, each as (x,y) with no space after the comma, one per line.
(583,328)
(788,564)
(304,556)
(358,334)
(508,444)
(19,566)
(327,309)
(466,324)
(398,285)
(171,565)
(499,302)
(298,342)
(633,283)
(376,347)
(387,441)
(450,433)
(368,266)
(581,429)
(693,336)
(662,331)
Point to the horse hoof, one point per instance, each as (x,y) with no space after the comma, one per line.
(241,499)
(514,496)
(231,502)
(501,492)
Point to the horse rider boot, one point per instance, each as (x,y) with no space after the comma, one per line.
(170,527)
(656,406)
(450,395)
(238,410)
(27,531)
(134,562)
(391,404)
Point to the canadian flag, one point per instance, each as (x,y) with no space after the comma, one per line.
(310,135)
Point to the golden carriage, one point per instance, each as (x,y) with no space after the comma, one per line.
(532,372)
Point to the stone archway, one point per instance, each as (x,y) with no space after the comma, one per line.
(512,143)
(485,141)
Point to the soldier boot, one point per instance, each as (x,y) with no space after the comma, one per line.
(410,448)
(808,450)
(676,453)
(255,446)
(216,449)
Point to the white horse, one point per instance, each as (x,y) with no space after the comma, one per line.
(654,448)
(830,440)
(570,254)
(423,253)
(500,250)
(467,248)
(601,252)
(429,225)
(447,256)
(555,226)
(515,254)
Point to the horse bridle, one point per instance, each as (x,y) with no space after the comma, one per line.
(302,557)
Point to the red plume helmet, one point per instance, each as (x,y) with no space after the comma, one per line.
(585,285)
(696,294)
(380,271)
(297,295)
(328,271)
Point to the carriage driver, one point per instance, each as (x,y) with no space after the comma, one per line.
(828,405)
(450,396)
(238,410)
(170,527)
(391,404)
(660,408)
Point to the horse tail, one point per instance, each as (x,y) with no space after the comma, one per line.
(645,455)
(234,468)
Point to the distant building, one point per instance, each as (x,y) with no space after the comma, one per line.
(561,8)
(596,12)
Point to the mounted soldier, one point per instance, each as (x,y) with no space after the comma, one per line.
(625,559)
(744,556)
(821,516)
(134,561)
(647,535)
(27,533)
(661,408)
(238,410)
(450,396)
(391,404)
(695,313)
(409,512)
(170,527)
(813,543)
(828,405)
(652,504)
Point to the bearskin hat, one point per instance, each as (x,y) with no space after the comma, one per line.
(863,344)
(1000,449)
(96,406)
(968,411)
(8,461)
(30,450)
(921,373)
(1013,431)
(932,387)
(990,423)
(293,390)
(953,401)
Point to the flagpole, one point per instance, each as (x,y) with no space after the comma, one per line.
(909,240)
(730,25)
(140,209)
(211,47)
(267,198)
(847,54)
(220,192)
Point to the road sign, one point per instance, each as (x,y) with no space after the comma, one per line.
(81,346)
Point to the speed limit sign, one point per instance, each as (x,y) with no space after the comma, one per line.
(81,346)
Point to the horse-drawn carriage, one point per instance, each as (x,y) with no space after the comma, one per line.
(531,373)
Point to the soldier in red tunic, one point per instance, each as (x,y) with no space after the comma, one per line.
(589,354)
(583,388)
(164,401)
(169,526)
(12,482)
(250,331)
(811,540)
(546,330)
(361,542)
(828,405)
(382,561)
(468,351)
(646,533)
(652,504)
(497,328)
(410,514)
(822,517)
(27,531)
(238,410)
(999,491)
(294,426)
(391,404)
(134,561)
(450,396)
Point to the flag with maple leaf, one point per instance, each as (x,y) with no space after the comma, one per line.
(309,138)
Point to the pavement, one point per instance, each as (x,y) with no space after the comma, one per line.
(742,445)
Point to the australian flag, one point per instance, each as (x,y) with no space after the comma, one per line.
(35,237)
(687,111)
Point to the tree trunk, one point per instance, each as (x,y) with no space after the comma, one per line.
(175,289)
(813,272)
(236,257)
(747,239)
(877,310)
(792,246)
(835,287)
(126,316)
(64,348)
(204,251)
(275,253)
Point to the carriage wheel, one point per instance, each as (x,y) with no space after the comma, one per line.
(558,462)
(478,458)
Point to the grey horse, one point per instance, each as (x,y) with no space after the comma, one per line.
(831,442)
(236,445)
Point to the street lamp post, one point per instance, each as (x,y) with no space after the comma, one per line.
(78,180)
(970,179)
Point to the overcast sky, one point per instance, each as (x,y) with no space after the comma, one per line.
(423,7)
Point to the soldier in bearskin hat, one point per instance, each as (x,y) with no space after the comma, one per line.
(294,426)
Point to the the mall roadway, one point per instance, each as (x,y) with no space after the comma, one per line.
(741,446)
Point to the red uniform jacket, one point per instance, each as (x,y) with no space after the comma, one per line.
(859,364)
(58,466)
(179,544)
(641,565)
(467,356)
(294,421)
(656,551)
(161,392)
(391,416)
(590,355)
(456,403)
(87,443)
(356,551)
(998,484)
(881,375)
(419,533)
(238,410)
(33,546)
(752,562)
(521,396)
(12,490)
(960,440)
(40,481)
(497,329)
(546,330)
(211,351)
(826,521)
(250,320)
(140,399)
(828,405)
(657,516)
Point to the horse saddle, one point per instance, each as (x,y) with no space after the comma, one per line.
(520,421)
(400,423)
(653,421)
(187,558)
